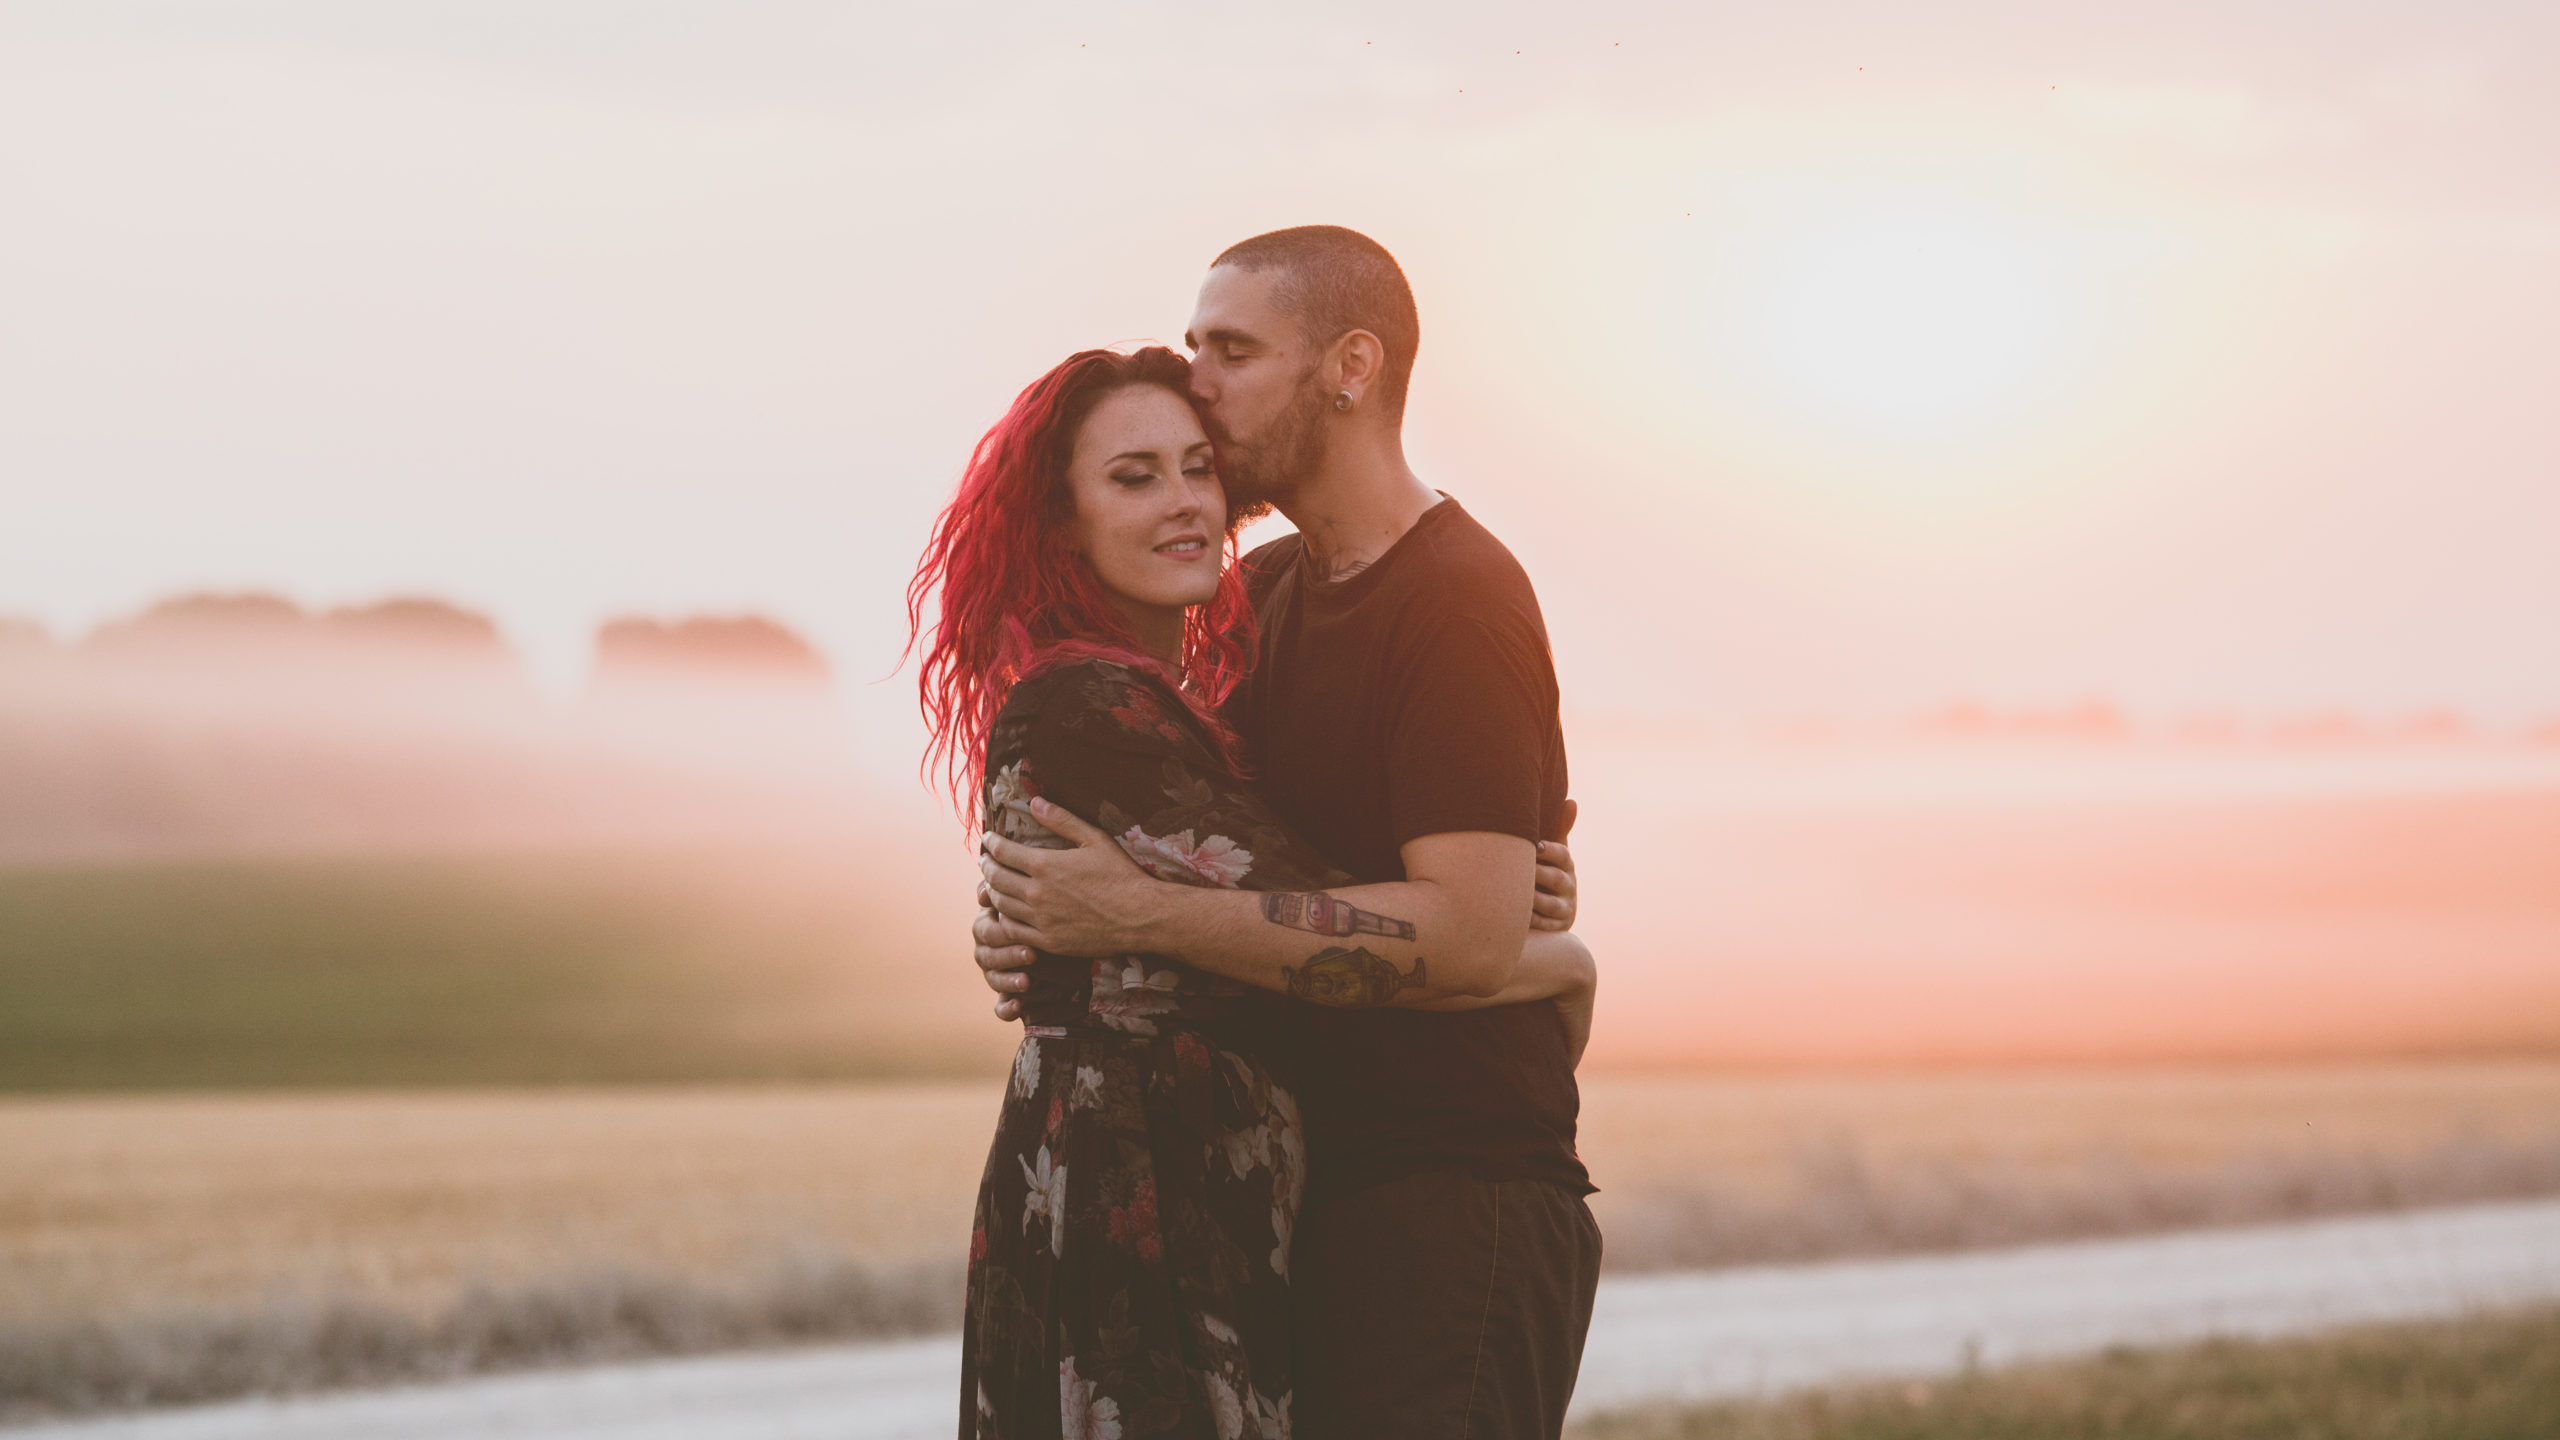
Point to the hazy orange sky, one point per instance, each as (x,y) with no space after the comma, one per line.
(1817,358)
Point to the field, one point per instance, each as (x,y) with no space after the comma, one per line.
(169,1246)
(2491,1377)
(1759,929)
(740,963)
(274,1123)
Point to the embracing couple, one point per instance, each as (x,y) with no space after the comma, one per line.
(1277,889)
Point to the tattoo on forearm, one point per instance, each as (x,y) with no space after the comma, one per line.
(1349,979)
(1321,914)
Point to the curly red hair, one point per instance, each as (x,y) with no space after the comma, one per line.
(1016,600)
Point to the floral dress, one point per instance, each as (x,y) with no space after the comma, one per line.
(1129,1268)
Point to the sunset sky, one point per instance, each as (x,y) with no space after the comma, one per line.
(1818,359)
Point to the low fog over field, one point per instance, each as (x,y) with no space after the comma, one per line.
(242,841)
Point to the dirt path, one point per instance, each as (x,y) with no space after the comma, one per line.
(1692,1335)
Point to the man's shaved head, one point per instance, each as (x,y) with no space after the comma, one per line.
(1331,281)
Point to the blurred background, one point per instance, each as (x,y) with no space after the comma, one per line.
(2049,521)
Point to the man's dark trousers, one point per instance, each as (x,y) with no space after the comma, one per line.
(1442,1306)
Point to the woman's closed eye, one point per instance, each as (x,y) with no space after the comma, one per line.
(1132,478)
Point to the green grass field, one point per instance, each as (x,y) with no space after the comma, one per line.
(484,970)
(2487,1378)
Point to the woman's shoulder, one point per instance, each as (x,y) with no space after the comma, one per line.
(1104,699)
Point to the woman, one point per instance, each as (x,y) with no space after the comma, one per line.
(1128,1271)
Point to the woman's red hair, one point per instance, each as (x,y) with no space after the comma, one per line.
(1016,600)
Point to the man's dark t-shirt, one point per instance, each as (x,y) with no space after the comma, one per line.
(1415,697)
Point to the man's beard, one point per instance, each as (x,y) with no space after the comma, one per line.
(1267,473)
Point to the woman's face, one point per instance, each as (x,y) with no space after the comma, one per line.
(1149,513)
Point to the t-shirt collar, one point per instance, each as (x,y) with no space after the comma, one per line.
(1448,505)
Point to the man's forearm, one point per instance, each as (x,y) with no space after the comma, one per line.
(1554,965)
(1404,944)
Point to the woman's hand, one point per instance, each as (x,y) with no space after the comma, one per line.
(1559,894)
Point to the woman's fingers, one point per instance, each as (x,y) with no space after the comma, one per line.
(1552,881)
(990,930)
(1008,1008)
(1005,968)
(1003,944)
(1552,907)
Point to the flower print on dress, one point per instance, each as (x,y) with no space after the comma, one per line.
(1026,1067)
(1009,796)
(1288,1179)
(1222,1179)
(1127,996)
(1047,1196)
(1272,1417)
(1216,861)
(1082,1414)
(1275,1141)
(1133,1226)
(1139,711)
(1186,789)
(1225,1405)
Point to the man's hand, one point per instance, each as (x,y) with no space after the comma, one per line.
(1559,896)
(1089,900)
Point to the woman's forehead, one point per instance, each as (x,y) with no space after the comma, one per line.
(1140,419)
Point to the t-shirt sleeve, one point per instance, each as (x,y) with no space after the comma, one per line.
(1467,733)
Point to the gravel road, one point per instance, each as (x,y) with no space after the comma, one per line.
(1685,1335)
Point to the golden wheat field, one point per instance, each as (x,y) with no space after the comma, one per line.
(109,1205)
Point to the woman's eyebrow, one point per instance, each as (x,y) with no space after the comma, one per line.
(1134,455)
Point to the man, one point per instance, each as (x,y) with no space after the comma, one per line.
(1403,713)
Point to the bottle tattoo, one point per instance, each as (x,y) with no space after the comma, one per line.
(1321,914)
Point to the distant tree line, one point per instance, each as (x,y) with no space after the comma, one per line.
(625,645)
